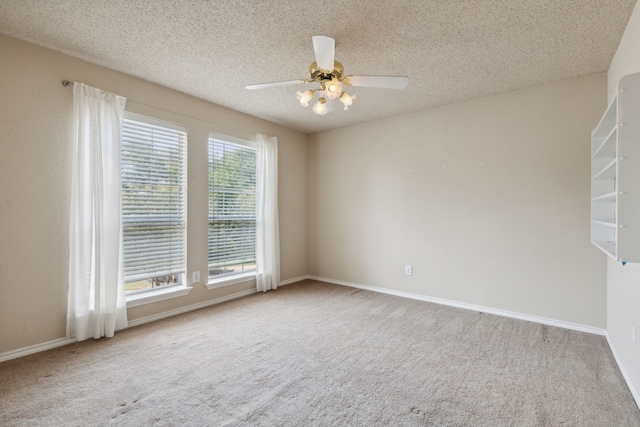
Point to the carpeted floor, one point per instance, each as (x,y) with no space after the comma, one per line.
(317,354)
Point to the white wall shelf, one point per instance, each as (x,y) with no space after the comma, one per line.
(607,196)
(615,172)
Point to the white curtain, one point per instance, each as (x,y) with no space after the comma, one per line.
(268,237)
(96,305)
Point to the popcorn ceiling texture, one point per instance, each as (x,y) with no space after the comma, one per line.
(451,51)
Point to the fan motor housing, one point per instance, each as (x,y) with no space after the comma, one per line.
(318,74)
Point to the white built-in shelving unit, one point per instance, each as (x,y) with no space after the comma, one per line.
(615,175)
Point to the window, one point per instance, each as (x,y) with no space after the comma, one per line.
(153,203)
(232,207)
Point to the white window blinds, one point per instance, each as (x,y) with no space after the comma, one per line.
(153,198)
(232,207)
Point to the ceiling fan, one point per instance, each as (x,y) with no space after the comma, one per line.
(329,73)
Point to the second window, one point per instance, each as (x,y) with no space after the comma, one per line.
(232,207)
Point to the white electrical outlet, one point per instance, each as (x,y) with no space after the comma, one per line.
(408,270)
(633,333)
(196,276)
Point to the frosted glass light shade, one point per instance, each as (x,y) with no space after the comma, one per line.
(321,107)
(304,97)
(332,89)
(347,99)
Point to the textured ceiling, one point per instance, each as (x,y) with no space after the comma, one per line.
(451,50)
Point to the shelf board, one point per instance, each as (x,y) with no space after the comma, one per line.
(605,197)
(607,122)
(607,172)
(606,223)
(607,148)
(607,247)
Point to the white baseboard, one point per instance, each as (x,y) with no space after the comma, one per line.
(14,354)
(207,303)
(214,301)
(623,370)
(294,280)
(498,312)
(25,351)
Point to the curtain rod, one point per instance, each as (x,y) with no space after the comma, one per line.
(67,83)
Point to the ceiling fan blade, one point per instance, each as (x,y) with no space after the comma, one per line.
(325,49)
(275,84)
(384,82)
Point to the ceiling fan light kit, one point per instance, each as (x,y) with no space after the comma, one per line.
(331,87)
(329,74)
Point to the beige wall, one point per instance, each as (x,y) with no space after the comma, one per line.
(623,283)
(487,199)
(35,151)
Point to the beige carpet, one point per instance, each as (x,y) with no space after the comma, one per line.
(317,354)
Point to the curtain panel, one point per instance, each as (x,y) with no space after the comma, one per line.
(267,230)
(96,303)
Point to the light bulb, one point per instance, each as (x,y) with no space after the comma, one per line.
(332,88)
(347,99)
(321,107)
(304,97)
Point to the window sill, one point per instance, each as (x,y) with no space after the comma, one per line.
(228,281)
(158,295)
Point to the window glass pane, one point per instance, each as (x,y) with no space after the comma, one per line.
(153,202)
(232,208)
